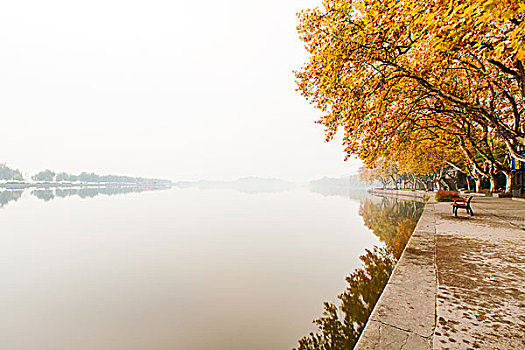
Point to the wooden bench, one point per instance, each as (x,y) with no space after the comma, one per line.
(463,204)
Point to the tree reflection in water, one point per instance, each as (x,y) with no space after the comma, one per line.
(45,195)
(391,220)
(8,196)
(48,194)
(340,326)
(90,192)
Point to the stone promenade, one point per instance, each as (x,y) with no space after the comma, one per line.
(460,283)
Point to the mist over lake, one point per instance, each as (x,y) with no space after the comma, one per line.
(184,268)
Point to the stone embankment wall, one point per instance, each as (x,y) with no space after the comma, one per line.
(405,314)
(402,194)
(459,283)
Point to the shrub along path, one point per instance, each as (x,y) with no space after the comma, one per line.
(460,283)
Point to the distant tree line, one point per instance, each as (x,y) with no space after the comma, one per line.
(9,174)
(6,173)
(46,175)
(49,175)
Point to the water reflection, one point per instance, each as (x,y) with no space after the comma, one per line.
(9,196)
(355,193)
(90,192)
(391,220)
(340,326)
(45,195)
(102,269)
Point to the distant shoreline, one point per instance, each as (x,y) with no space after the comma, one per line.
(25,185)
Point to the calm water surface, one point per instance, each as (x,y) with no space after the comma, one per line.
(173,269)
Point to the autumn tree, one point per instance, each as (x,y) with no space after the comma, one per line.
(7,173)
(45,175)
(396,72)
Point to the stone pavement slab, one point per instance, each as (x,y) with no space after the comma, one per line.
(404,316)
(460,283)
(481,276)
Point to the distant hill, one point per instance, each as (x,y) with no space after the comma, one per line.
(246,185)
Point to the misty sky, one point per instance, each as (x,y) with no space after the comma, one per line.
(171,89)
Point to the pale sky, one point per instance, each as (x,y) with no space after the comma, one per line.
(179,90)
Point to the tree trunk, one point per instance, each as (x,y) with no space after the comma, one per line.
(468,183)
(394,182)
(508,178)
(478,184)
(493,182)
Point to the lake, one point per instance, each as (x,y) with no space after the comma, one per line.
(183,268)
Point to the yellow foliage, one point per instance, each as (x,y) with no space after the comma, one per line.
(413,81)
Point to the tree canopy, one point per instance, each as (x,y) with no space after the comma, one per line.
(436,82)
(45,175)
(6,173)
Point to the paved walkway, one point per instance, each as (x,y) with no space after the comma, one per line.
(460,283)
